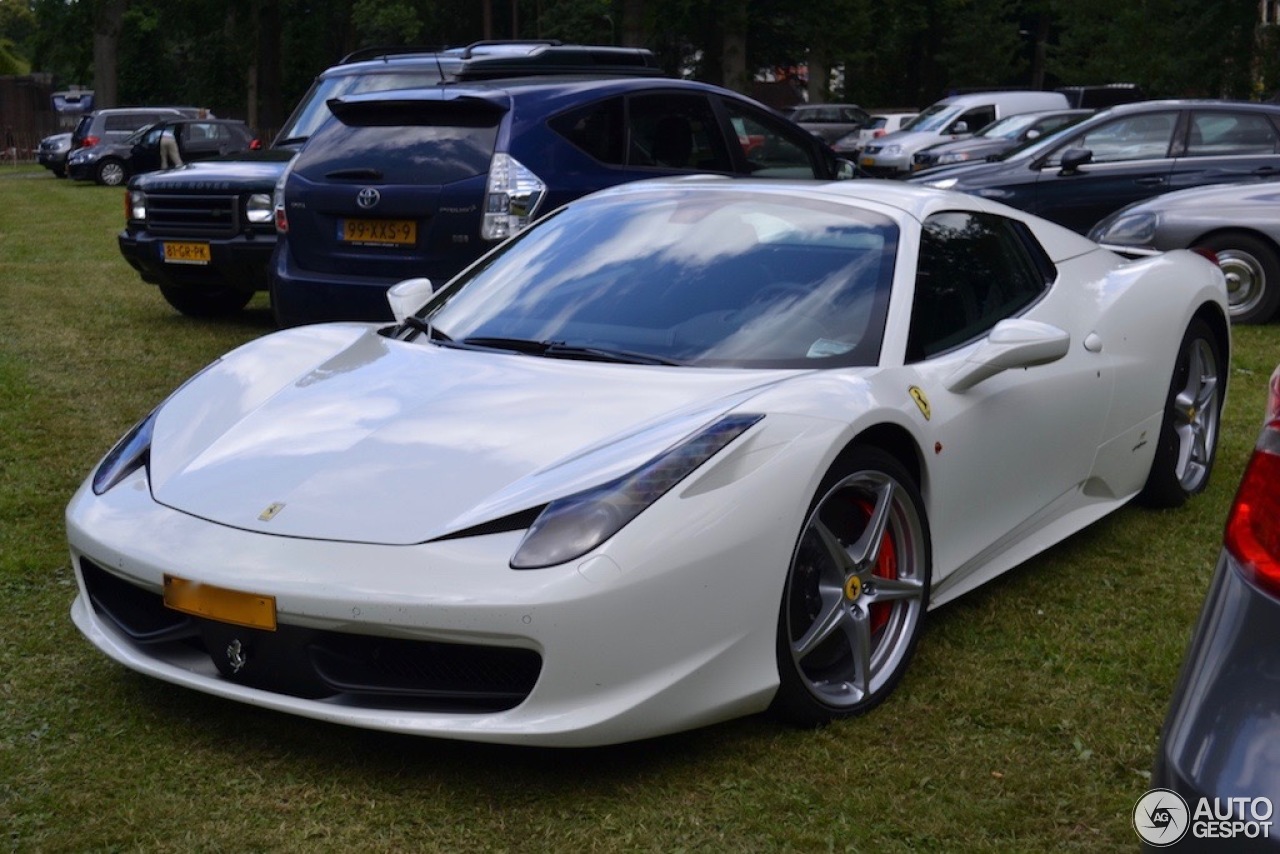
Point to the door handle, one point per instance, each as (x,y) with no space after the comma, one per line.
(1149,182)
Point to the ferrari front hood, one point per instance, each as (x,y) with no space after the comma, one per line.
(340,434)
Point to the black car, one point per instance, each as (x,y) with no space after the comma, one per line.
(111,162)
(420,183)
(1123,155)
(1000,136)
(204,234)
(1218,765)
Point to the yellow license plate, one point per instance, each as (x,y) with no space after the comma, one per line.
(186,253)
(378,232)
(868,161)
(219,603)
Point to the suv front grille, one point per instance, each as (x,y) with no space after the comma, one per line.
(192,215)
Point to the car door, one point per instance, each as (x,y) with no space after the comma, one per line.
(1225,145)
(1011,450)
(1130,161)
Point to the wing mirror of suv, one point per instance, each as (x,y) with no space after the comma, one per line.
(1013,343)
(1073,159)
(408,296)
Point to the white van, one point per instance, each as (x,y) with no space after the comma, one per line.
(951,118)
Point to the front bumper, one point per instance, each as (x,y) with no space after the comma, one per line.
(647,635)
(239,262)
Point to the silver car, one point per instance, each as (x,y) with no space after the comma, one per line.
(1239,223)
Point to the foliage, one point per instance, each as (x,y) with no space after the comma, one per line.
(904,53)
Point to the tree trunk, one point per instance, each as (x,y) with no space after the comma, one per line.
(633,29)
(819,74)
(270,101)
(734,45)
(107,22)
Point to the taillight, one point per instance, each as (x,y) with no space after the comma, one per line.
(90,141)
(1253,526)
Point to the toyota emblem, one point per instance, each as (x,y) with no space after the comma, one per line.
(368,197)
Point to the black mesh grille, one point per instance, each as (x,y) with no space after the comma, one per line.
(193,215)
(369,671)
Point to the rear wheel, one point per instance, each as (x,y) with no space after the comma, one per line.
(111,172)
(215,302)
(856,592)
(1252,269)
(1188,439)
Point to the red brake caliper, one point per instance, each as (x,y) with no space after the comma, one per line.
(886,567)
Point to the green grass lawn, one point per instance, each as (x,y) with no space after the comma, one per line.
(1027,721)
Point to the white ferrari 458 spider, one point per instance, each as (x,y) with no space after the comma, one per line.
(682,451)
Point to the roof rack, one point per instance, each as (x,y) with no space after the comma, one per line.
(385,52)
(492,60)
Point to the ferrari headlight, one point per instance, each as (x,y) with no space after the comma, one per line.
(943,184)
(1138,229)
(130,454)
(570,527)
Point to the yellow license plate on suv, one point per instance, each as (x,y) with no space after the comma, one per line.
(378,232)
(186,253)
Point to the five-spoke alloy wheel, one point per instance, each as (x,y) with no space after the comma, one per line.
(856,592)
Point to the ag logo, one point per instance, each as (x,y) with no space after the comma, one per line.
(1161,818)
(368,197)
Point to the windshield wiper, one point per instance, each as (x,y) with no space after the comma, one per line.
(561,350)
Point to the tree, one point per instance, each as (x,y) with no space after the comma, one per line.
(107,19)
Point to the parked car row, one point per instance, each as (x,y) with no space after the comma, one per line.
(112,162)
(525,128)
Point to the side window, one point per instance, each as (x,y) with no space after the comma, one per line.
(126,122)
(672,131)
(1144,137)
(975,119)
(1218,134)
(974,270)
(772,150)
(598,129)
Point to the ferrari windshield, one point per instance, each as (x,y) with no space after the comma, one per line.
(684,275)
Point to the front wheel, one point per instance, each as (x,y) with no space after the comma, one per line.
(856,592)
(1252,269)
(111,172)
(215,302)
(1188,439)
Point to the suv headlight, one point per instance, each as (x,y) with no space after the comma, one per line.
(135,206)
(512,198)
(258,209)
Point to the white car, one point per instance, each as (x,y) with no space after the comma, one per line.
(881,124)
(684,450)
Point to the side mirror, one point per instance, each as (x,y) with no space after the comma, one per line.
(845,170)
(1014,343)
(1073,159)
(960,127)
(1031,134)
(408,296)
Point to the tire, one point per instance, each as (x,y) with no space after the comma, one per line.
(111,172)
(1252,267)
(1188,440)
(216,302)
(854,600)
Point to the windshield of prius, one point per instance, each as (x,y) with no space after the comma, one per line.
(691,276)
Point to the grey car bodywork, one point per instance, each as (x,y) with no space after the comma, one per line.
(1239,222)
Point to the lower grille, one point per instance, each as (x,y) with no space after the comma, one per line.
(363,670)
